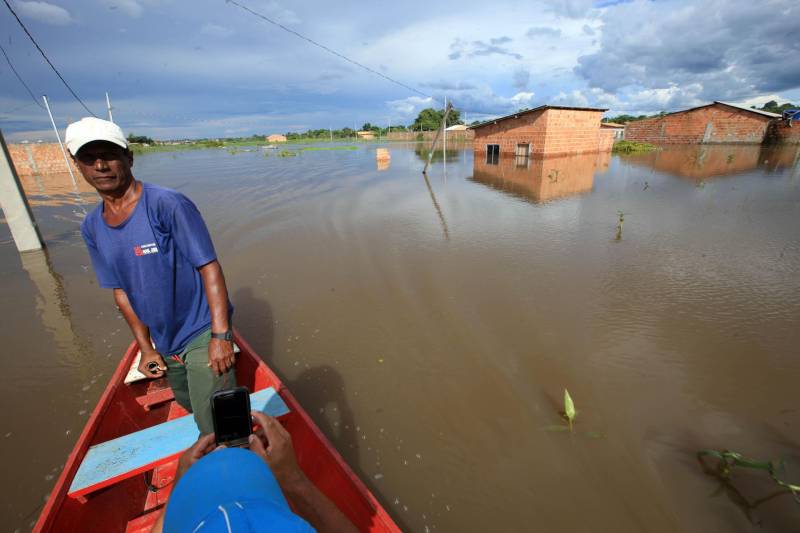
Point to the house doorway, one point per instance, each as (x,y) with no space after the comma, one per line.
(523,150)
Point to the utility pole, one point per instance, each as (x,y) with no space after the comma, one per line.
(108,104)
(58,136)
(331,132)
(15,205)
(436,138)
(444,138)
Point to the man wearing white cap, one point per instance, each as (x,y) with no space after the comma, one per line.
(150,245)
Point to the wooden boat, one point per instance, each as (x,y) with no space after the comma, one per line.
(131,502)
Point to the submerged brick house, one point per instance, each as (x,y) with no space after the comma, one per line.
(544,131)
(715,123)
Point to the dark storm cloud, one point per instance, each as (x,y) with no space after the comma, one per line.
(733,49)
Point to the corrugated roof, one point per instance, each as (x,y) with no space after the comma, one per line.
(540,108)
(612,125)
(743,108)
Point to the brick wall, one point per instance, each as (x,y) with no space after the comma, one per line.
(525,129)
(548,131)
(572,131)
(541,179)
(606,140)
(40,159)
(779,133)
(706,125)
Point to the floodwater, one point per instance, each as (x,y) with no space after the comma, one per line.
(430,326)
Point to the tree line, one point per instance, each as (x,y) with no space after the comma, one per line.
(428,119)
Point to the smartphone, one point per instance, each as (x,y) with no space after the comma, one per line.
(230,409)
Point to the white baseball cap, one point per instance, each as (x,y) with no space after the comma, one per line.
(91,129)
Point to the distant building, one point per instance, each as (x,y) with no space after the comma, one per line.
(365,135)
(715,123)
(543,131)
(457,127)
(618,129)
(276,138)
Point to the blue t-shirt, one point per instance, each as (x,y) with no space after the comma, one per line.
(154,256)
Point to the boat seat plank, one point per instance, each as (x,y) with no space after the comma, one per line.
(157,397)
(124,457)
(143,523)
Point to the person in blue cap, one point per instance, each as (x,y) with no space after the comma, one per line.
(238,490)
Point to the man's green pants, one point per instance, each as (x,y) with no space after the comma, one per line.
(193,382)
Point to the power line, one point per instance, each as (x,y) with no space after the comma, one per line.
(330,51)
(46,58)
(20,80)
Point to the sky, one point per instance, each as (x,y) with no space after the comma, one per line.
(208,68)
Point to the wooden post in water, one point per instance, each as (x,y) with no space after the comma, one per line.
(15,205)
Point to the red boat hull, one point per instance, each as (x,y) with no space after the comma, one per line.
(130,506)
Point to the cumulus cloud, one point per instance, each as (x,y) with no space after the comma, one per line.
(588,30)
(571,8)
(460,48)
(688,51)
(479,103)
(449,85)
(43,12)
(542,31)
(408,108)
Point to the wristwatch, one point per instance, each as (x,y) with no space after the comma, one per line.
(227,336)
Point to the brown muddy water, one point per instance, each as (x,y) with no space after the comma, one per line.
(430,328)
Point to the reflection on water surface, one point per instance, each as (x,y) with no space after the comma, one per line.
(429,324)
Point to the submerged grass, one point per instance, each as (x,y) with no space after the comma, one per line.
(632,147)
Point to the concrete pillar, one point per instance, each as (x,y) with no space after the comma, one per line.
(15,205)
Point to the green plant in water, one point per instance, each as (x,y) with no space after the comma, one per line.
(569,409)
(286,153)
(620,221)
(728,460)
(632,147)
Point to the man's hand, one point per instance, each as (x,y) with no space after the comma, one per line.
(150,356)
(220,356)
(273,443)
(204,445)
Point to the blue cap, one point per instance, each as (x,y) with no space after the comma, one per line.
(231,489)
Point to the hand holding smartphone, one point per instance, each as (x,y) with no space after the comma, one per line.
(230,410)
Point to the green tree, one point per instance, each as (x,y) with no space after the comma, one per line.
(431,119)
(140,139)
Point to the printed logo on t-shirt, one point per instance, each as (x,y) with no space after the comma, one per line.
(145,249)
